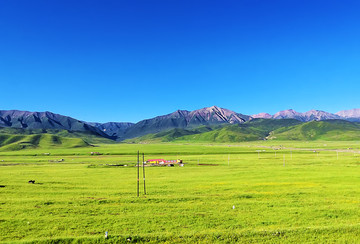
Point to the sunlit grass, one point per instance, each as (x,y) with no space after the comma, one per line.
(252,193)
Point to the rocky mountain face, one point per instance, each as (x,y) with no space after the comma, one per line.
(261,116)
(288,114)
(319,115)
(214,115)
(45,120)
(351,115)
(304,117)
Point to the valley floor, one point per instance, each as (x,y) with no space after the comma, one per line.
(289,192)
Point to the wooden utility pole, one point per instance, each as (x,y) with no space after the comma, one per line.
(138,173)
(144,173)
(284,161)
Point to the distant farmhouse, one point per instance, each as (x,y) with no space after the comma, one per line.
(163,162)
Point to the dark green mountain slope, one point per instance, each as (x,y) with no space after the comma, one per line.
(171,135)
(88,136)
(44,141)
(319,130)
(231,133)
(268,125)
(260,129)
(256,129)
(47,120)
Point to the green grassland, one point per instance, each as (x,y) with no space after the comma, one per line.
(282,191)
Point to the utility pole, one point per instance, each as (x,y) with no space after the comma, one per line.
(284,160)
(138,173)
(144,173)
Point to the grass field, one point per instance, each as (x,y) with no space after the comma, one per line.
(269,192)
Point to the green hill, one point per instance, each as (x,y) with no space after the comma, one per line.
(256,129)
(268,125)
(232,133)
(87,136)
(171,135)
(17,142)
(261,129)
(338,130)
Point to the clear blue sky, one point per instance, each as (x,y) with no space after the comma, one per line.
(131,60)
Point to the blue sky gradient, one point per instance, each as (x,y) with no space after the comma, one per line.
(131,60)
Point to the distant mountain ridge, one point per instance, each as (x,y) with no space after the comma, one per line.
(181,119)
(214,115)
(45,120)
(351,115)
(185,119)
(113,129)
(262,116)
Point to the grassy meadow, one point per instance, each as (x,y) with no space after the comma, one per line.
(263,191)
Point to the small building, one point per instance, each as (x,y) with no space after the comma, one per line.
(163,161)
(155,161)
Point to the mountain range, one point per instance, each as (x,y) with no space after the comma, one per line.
(46,120)
(182,120)
(185,119)
(350,115)
(214,115)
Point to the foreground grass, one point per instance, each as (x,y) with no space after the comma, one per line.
(282,195)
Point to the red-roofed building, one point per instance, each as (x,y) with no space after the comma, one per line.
(163,161)
(156,161)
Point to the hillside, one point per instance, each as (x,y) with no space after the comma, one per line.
(10,142)
(231,133)
(260,129)
(171,135)
(88,136)
(256,129)
(338,130)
